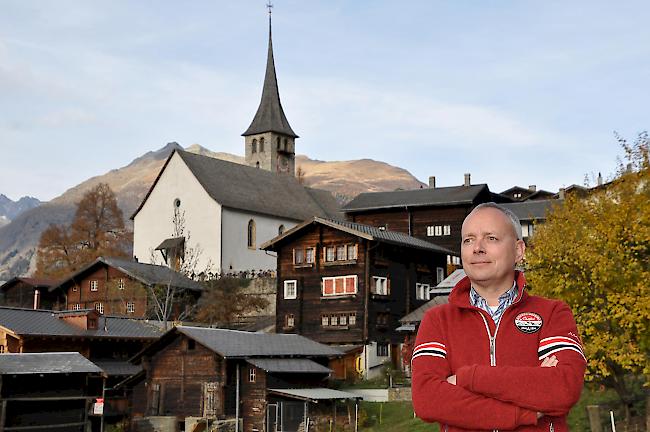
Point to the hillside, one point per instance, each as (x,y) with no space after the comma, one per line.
(19,238)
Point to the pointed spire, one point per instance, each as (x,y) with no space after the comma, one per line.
(270,115)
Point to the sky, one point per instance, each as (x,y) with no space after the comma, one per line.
(514,92)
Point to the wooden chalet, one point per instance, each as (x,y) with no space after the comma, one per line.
(531,193)
(264,381)
(433,214)
(49,391)
(117,286)
(345,283)
(107,341)
(25,292)
(531,213)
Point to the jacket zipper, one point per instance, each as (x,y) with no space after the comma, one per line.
(551,428)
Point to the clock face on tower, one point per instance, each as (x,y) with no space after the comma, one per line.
(283,164)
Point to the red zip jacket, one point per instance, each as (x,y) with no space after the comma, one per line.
(499,382)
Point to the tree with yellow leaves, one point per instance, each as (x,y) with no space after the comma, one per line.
(594,253)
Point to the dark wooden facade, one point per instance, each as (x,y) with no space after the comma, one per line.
(31,293)
(107,289)
(421,221)
(184,378)
(375,310)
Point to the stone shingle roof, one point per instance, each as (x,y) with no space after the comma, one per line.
(30,322)
(289,365)
(256,190)
(270,115)
(364,231)
(46,363)
(147,274)
(235,343)
(439,196)
(532,210)
(117,367)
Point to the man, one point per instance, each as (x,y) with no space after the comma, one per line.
(495,357)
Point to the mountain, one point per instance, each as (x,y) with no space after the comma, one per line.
(9,209)
(19,238)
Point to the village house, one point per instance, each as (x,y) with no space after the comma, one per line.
(433,214)
(107,341)
(26,292)
(49,391)
(347,284)
(265,381)
(531,213)
(531,193)
(223,211)
(117,286)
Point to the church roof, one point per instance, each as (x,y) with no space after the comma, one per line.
(255,190)
(270,115)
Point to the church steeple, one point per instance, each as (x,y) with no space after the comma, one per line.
(270,141)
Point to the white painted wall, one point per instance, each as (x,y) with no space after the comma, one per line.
(154,221)
(236,254)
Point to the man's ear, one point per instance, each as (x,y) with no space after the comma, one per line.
(520,251)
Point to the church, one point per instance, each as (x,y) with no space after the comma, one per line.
(220,212)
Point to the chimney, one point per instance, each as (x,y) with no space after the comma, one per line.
(600,179)
(432,182)
(37,299)
(562,193)
(467,179)
(532,188)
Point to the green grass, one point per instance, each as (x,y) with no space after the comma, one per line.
(391,416)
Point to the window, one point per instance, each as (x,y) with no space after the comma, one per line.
(277,141)
(340,253)
(99,307)
(437,230)
(334,320)
(517,195)
(254,146)
(289,320)
(440,275)
(446,230)
(383,319)
(210,399)
(93,285)
(290,289)
(527,230)
(76,306)
(344,252)
(309,255)
(339,285)
(251,234)
(422,291)
(298,256)
(343,320)
(130,307)
(330,253)
(325,320)
(120,284)
(380,285)
(430,229)
(382,350)
(304,256)
(251,375)
(352,319)
(281,229)
(352,252)
(261,144)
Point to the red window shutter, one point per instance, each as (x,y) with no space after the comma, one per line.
(328,286)
(350,285)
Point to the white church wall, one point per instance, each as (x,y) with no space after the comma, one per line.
(154,221)
(237,256)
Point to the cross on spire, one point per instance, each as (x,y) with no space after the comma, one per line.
(269,5)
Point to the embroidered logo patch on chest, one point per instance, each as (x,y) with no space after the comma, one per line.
(528,322)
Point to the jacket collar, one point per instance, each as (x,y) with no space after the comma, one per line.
(460,294)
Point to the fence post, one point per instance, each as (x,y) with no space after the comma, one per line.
(595,424)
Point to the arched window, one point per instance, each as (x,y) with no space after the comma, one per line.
(261,144)
(254,146)
(280,229)
(251,234)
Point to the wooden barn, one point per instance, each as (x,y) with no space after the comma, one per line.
(31,293)
(265,381)
(118,286)
(107,341)
(49,391)
(345,283)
